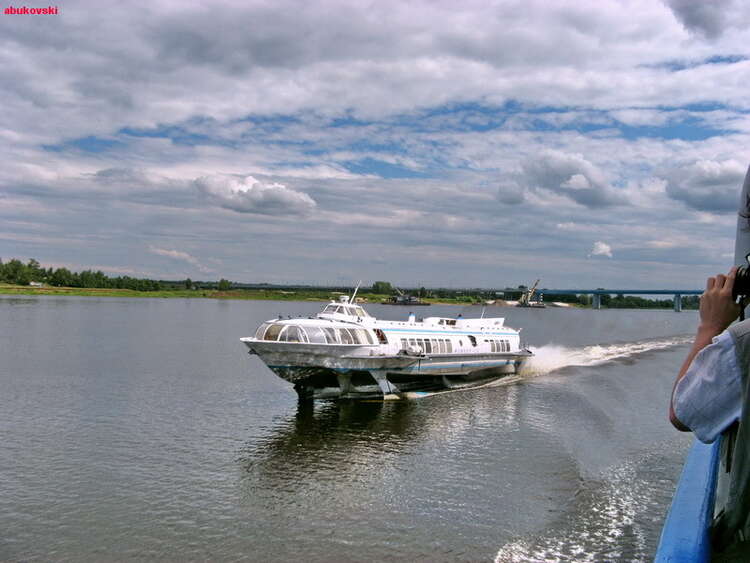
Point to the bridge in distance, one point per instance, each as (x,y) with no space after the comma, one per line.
(596,294)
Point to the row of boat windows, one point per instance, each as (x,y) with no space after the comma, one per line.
(351,310)
(315,334)
(429,345)
(444,345)
(499,345)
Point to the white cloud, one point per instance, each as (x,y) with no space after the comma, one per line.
(248,195)
(179,255)
(601,249)
(570,175)
(706,185)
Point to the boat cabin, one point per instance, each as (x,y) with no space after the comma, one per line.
(343,311)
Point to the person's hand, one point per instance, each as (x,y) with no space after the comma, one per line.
(717,306)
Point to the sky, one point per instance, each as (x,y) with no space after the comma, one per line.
(595,143)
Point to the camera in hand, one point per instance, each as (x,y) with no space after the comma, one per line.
(742,281)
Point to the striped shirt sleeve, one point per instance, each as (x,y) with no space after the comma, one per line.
(709,396)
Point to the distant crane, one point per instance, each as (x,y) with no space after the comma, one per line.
(526,298)
(404,299)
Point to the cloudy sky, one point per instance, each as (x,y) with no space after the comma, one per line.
(590,143)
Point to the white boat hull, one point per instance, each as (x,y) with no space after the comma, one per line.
(352,371)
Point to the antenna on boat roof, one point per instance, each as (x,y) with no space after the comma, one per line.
(355,292)
(483,310)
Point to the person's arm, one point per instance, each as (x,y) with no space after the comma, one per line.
(717,311)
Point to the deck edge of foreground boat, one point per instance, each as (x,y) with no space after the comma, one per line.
(685,535)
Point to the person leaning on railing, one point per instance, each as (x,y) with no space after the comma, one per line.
(708,398)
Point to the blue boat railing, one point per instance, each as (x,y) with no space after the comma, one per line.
(685,535)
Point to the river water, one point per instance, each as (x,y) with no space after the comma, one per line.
(140,429)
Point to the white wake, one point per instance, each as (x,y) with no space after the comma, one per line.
(552,356)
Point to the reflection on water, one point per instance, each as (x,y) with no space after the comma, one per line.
(343,436)
(330,435)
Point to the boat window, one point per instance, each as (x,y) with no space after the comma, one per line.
(472,340)
(261,330)
(345,336)
(273,332)
(291,333)
(382,337)
(360,336)
(362,313)
(404,344)
(507,345)
(428,346)
(315,334)
(296,332)
(282,334)
(493,347)
(412,342)
(449,348)
(302,334)
(330,335)
(330,309)
(370,337)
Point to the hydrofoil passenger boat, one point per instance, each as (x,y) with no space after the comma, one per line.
(343,352)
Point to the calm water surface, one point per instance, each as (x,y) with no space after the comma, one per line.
(140,429)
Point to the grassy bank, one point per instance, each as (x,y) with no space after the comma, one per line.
(8,289)
(256,294)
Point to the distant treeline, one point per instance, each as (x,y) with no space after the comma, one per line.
(16,272)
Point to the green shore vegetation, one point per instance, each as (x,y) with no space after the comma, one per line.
(19,278)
